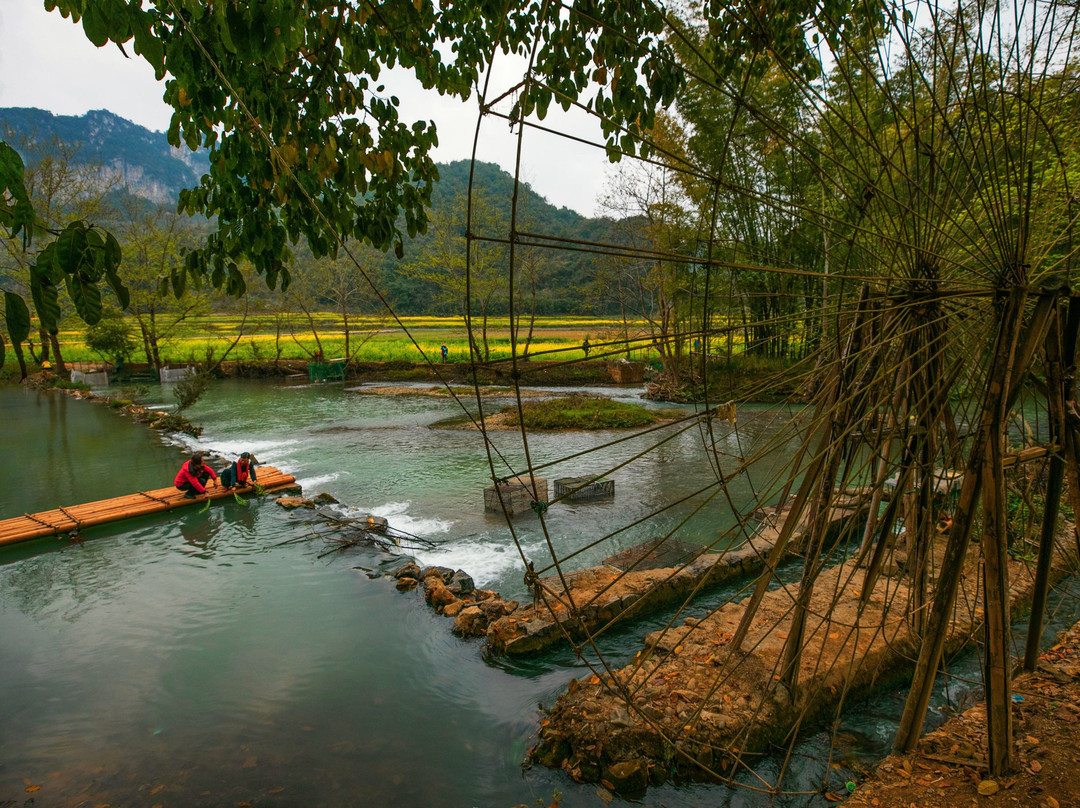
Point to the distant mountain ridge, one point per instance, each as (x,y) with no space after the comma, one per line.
(143,164)
(141,159)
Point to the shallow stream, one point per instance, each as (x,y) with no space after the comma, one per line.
(194,659)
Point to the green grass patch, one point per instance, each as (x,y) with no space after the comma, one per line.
(582,412)
(64,384)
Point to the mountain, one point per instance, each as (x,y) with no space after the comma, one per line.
(144,165)
(140,159)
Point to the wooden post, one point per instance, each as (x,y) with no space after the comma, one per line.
(997,677)
(941,614)
(1055,394)
(826,484)
(1070,444)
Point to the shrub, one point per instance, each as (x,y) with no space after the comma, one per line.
(111,337)
(581,412)
(190,389)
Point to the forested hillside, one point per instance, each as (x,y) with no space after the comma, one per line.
(133,166)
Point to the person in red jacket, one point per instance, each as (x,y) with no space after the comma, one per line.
(193,476)
(239,474)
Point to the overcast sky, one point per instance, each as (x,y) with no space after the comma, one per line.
(47,62)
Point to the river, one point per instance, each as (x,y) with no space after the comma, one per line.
(194,659)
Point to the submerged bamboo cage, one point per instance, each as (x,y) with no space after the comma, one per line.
(73,518)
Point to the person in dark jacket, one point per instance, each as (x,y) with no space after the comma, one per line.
(193,476)
(240,474)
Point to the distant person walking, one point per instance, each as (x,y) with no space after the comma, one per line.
(585,347)
(444,352)
(193,476)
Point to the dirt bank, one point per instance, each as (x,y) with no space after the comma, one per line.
(949,766)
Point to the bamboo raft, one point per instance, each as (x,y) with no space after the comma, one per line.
(76,517)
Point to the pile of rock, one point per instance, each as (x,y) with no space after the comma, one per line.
(453,593)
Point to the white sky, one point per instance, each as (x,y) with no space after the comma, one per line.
(47,62)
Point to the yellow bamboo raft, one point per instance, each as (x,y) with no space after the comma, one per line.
(75,517)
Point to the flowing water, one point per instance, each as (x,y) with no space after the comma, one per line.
(194,659)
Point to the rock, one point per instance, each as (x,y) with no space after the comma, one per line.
(461,583)
(497,607)
(376,524)
(627,776)
(324,499)
(443,597)
(705,756)
(289,503)
(442,573)
(484,594)
(438,596)
(409,570)
(406,584)
(620,717)
(470,622)
(552,750)
(452,609)
(500,632)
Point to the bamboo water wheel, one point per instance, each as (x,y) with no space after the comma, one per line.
(890,224)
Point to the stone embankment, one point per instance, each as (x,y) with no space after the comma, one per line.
(633,584)
(629,585)
(454,594)
(700,705)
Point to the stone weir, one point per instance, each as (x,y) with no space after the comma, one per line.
(701,705)
(640,580)
(628,585)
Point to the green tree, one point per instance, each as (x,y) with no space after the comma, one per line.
(154,242)
(55,198)
(470,274)
(111,337)
(336,284)
(656,219)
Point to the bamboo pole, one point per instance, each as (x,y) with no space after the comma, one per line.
(1056,404)
(826,486)
(997,677)
(941,613)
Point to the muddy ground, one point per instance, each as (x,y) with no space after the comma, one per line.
(949,766)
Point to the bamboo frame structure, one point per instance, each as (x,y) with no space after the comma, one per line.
(939,142)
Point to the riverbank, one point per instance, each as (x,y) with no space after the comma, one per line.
(743,379)
(948,768)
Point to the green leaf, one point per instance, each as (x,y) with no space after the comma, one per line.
(46,297)
(18,215)
(71,247)
(113,254)
(18,317)
(179,281)
(87,298)
(95,26)
(123,296)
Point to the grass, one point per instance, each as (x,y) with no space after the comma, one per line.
(582,412)
(372,339)
(270,336)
